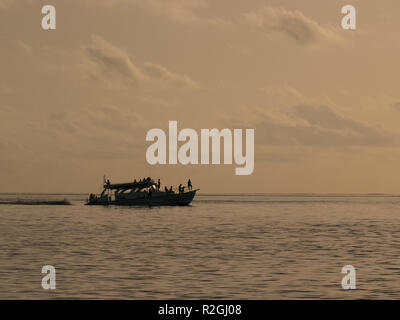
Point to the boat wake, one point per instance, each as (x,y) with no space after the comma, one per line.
(31,202)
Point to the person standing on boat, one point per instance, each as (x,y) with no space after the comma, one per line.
(190,185)
(158,185)
(180,188)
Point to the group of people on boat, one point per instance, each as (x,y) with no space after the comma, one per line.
(144,180)
(181,188)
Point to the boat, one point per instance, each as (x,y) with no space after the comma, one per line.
(141,193)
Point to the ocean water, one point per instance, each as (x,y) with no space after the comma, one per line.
(221,247)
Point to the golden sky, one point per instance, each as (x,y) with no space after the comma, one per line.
(76,102)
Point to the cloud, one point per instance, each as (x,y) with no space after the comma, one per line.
(320,126)
(110,63)
(294,24)
(161,73)
(312,125)
(182,11)
(86,132)
(23,46)
(178,10)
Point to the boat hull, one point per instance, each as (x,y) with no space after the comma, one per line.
(161,199)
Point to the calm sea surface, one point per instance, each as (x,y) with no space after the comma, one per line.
(221,247)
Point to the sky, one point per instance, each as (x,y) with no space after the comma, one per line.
(76,102)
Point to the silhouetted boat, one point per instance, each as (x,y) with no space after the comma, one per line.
(142,193)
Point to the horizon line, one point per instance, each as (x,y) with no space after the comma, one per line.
(237,193)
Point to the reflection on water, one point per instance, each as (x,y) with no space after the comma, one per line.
(221,247)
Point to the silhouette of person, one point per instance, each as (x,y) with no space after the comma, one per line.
(158,185)
(166,189)
(189,185)
(180,188)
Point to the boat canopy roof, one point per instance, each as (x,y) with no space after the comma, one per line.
(130,185)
